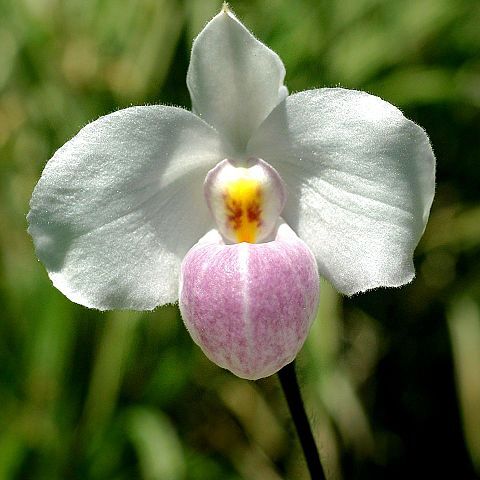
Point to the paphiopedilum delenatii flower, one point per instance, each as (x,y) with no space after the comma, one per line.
(243,201)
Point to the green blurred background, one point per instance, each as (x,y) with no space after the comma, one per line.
(391,378)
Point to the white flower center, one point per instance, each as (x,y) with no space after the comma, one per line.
(245,201)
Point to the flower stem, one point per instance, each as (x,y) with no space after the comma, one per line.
(291,390)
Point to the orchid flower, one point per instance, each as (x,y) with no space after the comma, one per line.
(235,208)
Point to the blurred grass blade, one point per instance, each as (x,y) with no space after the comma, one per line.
(324,340)
(109,367)
(12,452)
(157,444)
(50,349)
(345,408)
(464,326)
(256,416)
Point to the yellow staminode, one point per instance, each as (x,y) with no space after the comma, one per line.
(243,207)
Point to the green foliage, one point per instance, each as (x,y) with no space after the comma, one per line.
(122,395)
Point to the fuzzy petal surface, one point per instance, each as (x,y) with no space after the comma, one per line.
(234,80)
(249,306)
(119,205)
(361,180)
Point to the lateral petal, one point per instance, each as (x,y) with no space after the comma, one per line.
(119,205)
(360,178)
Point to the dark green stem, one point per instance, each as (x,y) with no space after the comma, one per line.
(291,390)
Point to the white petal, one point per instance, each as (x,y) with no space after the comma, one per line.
(360,179)
(119,205)
(234,80)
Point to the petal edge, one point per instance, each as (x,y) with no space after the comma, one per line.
(234,80)
(118,206)
(361,181)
